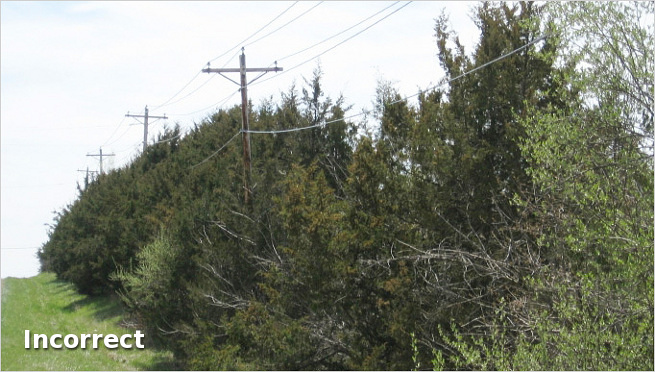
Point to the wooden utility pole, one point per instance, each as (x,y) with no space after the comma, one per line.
(145,125)
(245,127)
(101,155)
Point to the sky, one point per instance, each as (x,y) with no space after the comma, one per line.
(71,71)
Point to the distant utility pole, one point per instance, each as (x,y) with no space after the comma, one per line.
(145,125)
(86,178)
(101,155)
(245,127)
(87,171)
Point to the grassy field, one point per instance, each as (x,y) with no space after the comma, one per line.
(42,304)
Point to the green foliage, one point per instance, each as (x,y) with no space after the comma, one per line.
(156,264)
(590,211)
(151,288)
(595,184)
(598,241)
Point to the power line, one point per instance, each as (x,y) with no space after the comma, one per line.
(337,34)
(219,103)
(134,147)
(188,94)
(178,92)
(117,139)
(540,38)
(284,25)
(114,132)
(168,101)
(304,128)
(131,147)
(170,139)
(217,151)
(358,33)
(255,33)
(543,37)
(340,43)
(187,84)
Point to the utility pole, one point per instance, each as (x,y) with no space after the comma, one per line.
(86,178)
(245,127)
(145,125)
(101,155)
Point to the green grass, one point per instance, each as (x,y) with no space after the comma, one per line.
(43,304)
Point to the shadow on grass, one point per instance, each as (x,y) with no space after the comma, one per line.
(106,307)
(58,286)
(102,307)
(160,362)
